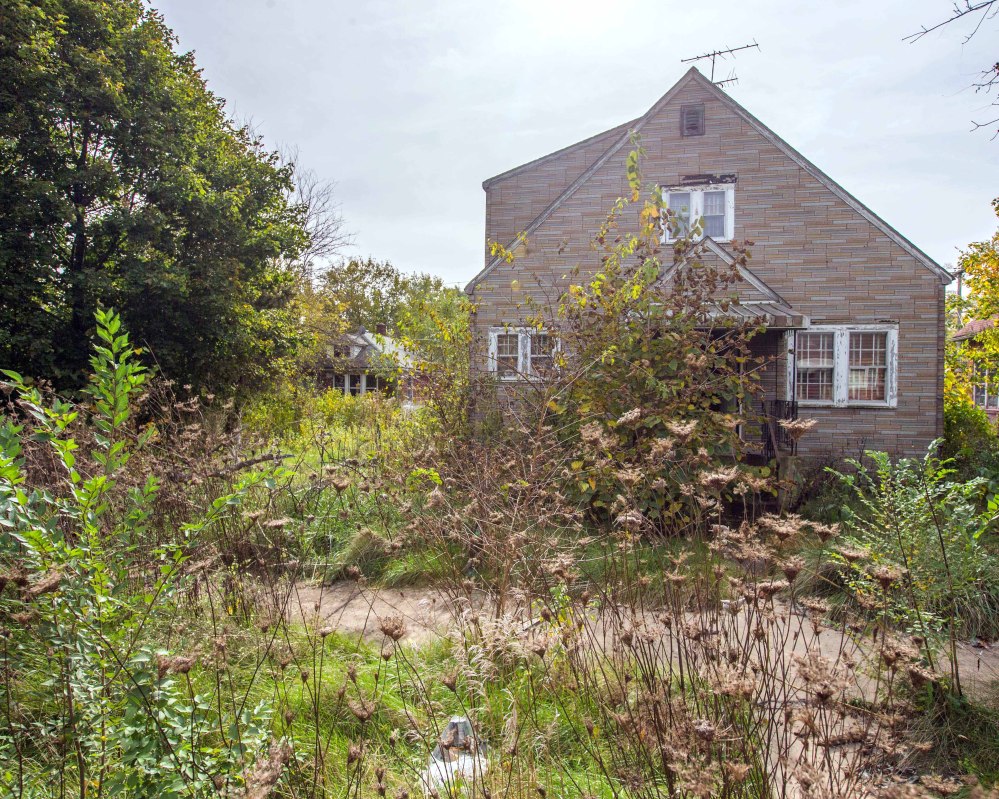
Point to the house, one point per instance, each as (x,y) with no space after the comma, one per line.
(985,384)
(358,363)
(854,310)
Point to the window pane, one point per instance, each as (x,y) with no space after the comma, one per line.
(986,389)
(714,226)
(354,384)
(814,384)
(714,203)
(814,349)
(542,347)
(507,350)
(868,366)
(714,214)
(679,204)
(814,357)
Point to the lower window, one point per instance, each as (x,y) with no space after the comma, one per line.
(848,365)
(521,352)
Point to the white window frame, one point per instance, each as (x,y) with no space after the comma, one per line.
(524,338)
(988,381)
(841,366)
(697,208)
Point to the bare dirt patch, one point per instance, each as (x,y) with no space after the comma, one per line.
(356,609)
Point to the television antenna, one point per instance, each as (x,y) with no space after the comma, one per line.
(715,55)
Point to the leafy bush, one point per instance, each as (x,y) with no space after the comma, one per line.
(971,439)
(926,532)
(651,324)
(80,586)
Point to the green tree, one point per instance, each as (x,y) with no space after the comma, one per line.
(366,293)
(123,182)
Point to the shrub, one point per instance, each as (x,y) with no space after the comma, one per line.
(82,581)
(928,530)
(652,378)
(971,439)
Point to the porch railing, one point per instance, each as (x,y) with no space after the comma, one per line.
(775,437)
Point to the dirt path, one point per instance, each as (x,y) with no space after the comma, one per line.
(357,610)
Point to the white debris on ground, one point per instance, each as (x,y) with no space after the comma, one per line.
(456,760)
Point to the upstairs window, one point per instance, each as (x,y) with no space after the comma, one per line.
(692,120)
(845,365)
(712,206)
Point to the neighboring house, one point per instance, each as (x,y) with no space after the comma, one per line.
(855,311)
(985,386)
(357,364)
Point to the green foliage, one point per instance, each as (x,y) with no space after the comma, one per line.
(123,183)
(75,546)
(369,292)
(434,333)
(649,379)
(931,534)
(970,439)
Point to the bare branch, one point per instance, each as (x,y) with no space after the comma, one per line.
(986,9)
(959,11)
(328,235)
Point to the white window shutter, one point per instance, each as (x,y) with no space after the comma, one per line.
(841,372)
(492,349)
(891,378)
(730,213)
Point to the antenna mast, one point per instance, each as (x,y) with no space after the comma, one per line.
(715,55)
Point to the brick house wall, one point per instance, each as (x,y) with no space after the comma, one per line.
(830,260)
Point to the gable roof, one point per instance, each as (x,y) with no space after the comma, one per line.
(620,129)
(693,75)
(763,304)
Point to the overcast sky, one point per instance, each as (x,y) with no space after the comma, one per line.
(410,105)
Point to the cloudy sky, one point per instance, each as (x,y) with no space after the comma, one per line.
(410,105)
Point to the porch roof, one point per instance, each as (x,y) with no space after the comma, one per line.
(775,314)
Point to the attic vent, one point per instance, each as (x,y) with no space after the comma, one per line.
(692,120)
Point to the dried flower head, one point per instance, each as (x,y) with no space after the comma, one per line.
(682,430)
(781,527)
(393,627)
(718,479)
(630,417)
(631,520)
(267,771)
(792,567)
(821,677)
(886,575)
(851,554)
(796,428)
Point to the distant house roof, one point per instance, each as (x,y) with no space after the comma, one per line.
(974,327)
(366,347)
